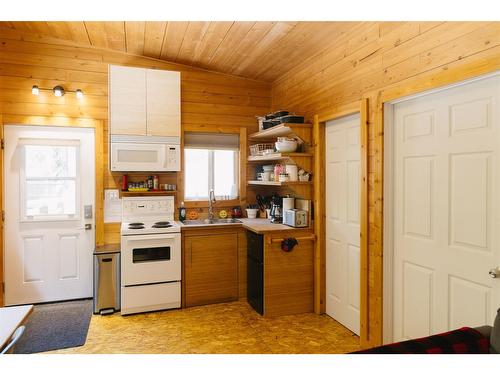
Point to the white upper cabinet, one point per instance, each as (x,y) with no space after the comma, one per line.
(163,103)
(127,100)
(144,101)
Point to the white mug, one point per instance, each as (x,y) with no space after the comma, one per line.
(292,171)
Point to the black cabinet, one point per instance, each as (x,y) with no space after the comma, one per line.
(255,271)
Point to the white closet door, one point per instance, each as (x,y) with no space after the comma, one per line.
(342,223)
(446,209)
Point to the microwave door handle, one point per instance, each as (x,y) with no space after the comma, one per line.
(165,156)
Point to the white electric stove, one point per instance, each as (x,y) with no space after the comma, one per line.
(150,255)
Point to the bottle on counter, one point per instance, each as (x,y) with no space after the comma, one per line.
(156,182)
(124,182)
(182,212)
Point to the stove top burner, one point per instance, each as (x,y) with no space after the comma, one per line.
(136,226)
(162,223)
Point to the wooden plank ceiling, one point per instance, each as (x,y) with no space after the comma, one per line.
(258,50)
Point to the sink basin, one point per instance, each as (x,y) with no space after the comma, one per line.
(212,222)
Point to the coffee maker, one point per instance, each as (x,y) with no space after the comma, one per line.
(276,209)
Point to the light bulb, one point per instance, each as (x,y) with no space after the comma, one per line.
(35,90)
(58,91)
(79,94)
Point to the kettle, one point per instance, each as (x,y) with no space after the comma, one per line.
(276,210)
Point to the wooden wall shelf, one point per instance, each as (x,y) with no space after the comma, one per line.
(282,130)
(152,192)
(277,183)
(279,156)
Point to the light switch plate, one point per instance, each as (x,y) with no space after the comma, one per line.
(111,194)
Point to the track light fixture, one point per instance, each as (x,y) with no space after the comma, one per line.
(58,91)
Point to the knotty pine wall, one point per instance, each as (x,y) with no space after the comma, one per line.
(376,56)
(209,100)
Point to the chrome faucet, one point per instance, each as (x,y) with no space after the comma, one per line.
(211,201)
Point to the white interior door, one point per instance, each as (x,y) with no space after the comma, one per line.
(446,231)
(342,224)
(49,185)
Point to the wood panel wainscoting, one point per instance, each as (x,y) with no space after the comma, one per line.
(379,62)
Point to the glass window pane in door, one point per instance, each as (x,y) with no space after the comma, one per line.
(50,197)
(50,161)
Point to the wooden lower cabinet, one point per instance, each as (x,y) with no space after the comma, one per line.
(210,267)
(288,276)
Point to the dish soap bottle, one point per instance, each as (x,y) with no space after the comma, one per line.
(182,212)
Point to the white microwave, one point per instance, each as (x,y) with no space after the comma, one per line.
(129,153)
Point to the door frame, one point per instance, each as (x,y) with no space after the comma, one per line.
(388,194)
(319,128)
(98,126)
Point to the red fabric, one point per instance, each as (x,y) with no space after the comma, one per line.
(460,341)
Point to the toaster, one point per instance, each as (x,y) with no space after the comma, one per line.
(295,218)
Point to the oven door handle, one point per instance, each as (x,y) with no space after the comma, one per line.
(152,237)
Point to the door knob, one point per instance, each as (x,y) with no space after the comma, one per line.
(495,272)
(86,227)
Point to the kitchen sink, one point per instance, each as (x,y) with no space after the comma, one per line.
(212,222)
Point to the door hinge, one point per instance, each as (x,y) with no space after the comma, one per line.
(3,215)
(3,144)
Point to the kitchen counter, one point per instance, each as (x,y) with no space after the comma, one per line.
(108,248)
(260,226)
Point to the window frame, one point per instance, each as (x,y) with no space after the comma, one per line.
(23,180)
(242,167)
(211,183)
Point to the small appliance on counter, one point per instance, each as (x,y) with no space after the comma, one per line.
(276,213)
(295,218)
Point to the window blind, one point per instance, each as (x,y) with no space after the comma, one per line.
(212,141)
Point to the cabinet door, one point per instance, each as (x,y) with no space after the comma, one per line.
(211,269)
(164,103)
(127,100)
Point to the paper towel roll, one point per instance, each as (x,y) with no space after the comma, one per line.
(288,203)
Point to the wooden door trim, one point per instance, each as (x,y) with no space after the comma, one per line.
(361,107)
(98,127)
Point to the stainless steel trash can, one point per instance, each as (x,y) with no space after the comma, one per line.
(106,280)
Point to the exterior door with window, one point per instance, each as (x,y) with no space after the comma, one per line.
(49,185)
